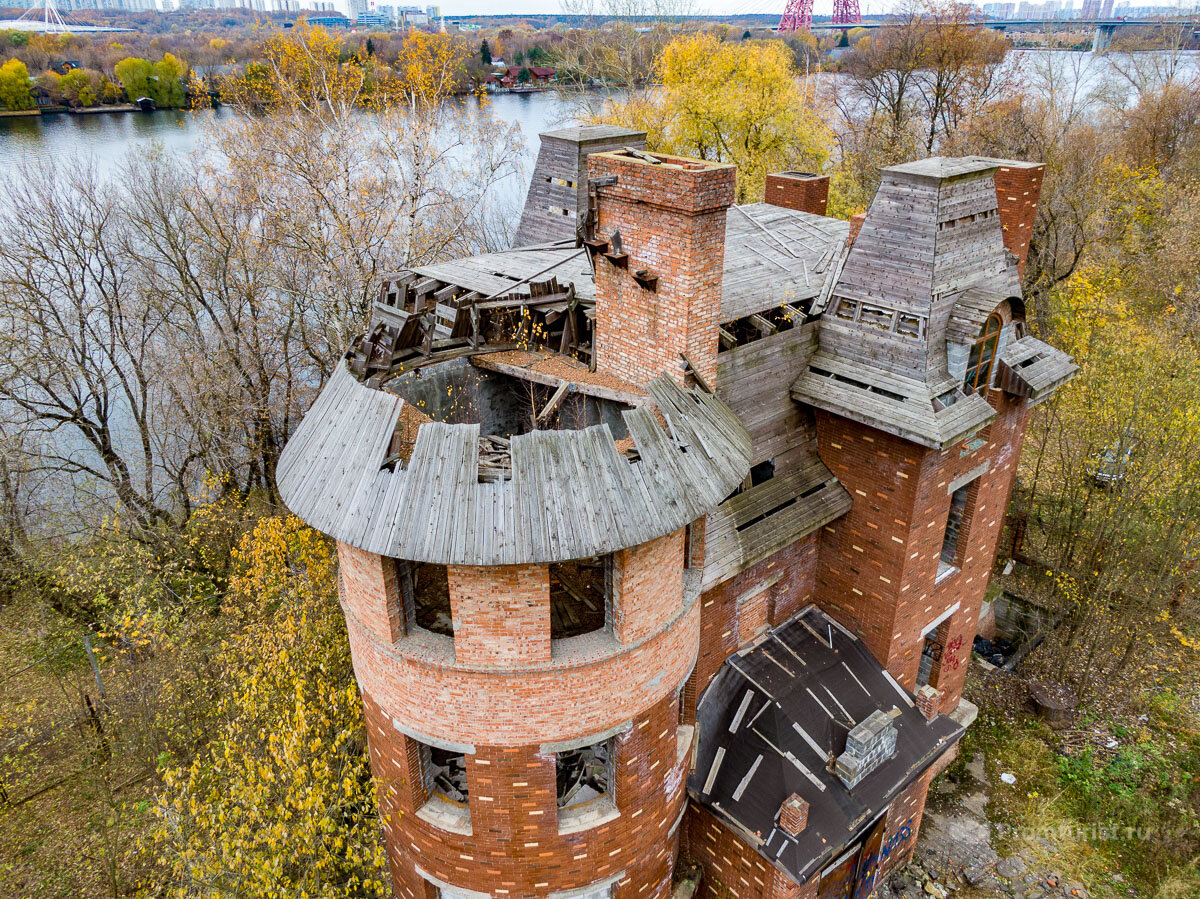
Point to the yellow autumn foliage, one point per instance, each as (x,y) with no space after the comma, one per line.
(280,803)
(742,103)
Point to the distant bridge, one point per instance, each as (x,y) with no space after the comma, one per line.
(1101,35)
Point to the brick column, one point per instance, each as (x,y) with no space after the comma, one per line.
(501,614)
(671,215)
(1018,188)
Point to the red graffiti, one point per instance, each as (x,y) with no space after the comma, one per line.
(951,657)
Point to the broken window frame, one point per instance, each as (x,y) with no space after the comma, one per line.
(602,803)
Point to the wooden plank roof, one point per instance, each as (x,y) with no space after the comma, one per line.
(772,256)
(571,495)
(1029,367)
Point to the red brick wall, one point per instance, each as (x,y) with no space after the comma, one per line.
(731,867)
(369,588)
(672,221)
(648,585)
(878,563)
(802,192)
(501,614)
(903,822)
(1018,187)
(515,848)
(788,578)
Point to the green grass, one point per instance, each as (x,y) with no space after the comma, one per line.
(1090,814)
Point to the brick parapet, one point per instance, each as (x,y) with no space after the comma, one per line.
(592,683)
(515,848)
(648,584)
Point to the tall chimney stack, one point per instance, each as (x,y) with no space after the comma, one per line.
(660,296)
(1018,188)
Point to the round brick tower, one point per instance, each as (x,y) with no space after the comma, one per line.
(520,538)
(520,639)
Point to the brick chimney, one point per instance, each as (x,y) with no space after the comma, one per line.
(856,223)
(664,299)
(1018,188)
(929,700)
(802,191)
(793,815)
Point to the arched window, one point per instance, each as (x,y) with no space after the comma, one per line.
(983,355)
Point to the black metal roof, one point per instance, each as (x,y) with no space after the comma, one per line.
(773,715)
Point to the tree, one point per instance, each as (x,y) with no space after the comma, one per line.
(281,802)
(485,54)
(15,86)
(168,82)
(80,87)
(136,76)
(524,75)
(730,102)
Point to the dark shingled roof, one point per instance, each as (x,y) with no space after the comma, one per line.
(772,713)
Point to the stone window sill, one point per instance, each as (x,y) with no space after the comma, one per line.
(574,819)
(683,738)
(443,814)
(944,571)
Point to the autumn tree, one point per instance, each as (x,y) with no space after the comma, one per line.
(136,77)
(281,801)
(15,86)
(741,103)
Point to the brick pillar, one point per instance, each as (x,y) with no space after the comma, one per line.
(671,215)
(802,191)
(1018,187)
(929,700)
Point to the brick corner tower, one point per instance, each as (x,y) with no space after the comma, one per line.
(520,546)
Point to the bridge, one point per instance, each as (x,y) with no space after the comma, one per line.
(1102,34)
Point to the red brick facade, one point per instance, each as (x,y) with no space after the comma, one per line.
(672,222)
(801,191)
(515,848)
(500,691)
(878,567)
(778,586)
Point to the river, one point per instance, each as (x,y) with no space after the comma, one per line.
(105,139)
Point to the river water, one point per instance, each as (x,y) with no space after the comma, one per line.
(105,139)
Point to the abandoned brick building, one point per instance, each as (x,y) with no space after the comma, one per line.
(665,534)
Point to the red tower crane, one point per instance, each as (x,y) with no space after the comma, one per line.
(798,14)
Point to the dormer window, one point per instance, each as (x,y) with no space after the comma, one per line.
(983,356)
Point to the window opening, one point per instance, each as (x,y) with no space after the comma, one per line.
(580,596)
(584,775)
(425,589)
(983,356)
(931,652)
(953,538)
